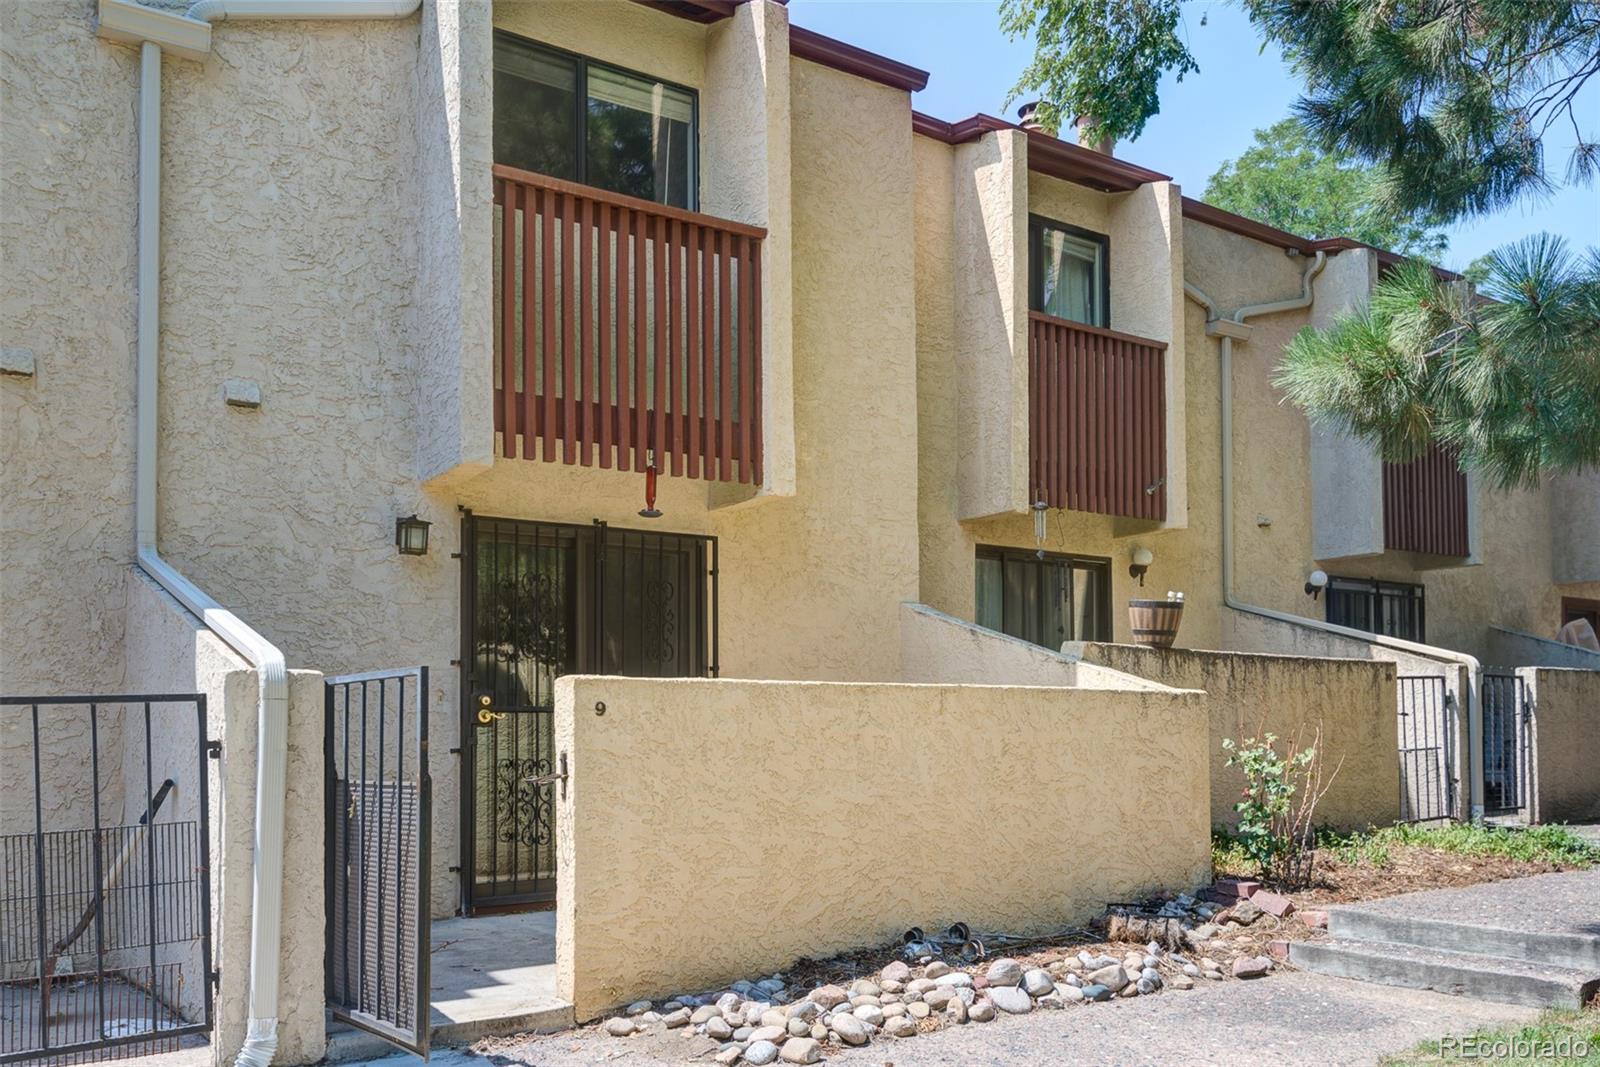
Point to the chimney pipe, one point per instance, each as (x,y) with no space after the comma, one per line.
(1028,117)
(1089,138)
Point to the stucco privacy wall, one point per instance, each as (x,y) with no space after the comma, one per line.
(171,651)
(939,648)
(1566,743)
(1353,704)
(655,779)
(1512,648)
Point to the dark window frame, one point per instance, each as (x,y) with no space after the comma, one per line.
(1002,553)
(1372,594)
(581,106)
(1036,228)
(1577,607)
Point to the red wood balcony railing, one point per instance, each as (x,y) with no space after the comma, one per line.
(1097,437)
(625,328)
(1425,505)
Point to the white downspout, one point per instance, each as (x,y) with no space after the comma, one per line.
(1225,374)
(272,713)
(272,725)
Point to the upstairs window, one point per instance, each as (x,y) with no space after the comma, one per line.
(570,117)
(1046,601)
(1394,609)
(1067,272)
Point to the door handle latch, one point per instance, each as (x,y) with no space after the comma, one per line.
(486,712)
(546,779)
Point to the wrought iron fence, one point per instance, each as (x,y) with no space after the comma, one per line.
(379,847)
(105,882)
(1427,744)
(1506,718)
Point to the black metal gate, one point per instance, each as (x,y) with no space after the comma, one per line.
(379,834)
(1427,744)
(105,878)
(1507,716)
(540,600)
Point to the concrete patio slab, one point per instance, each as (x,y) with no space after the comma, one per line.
(491,975)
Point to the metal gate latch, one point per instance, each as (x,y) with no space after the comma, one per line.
(546,779)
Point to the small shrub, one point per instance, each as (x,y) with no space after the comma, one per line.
(1277,807)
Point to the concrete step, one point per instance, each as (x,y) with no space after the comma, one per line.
(1560,949)
(1470,974)
(348,1044)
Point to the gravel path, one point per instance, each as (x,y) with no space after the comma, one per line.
(1289,1018)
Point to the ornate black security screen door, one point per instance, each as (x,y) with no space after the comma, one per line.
(541,600)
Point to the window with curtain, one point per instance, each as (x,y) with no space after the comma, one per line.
(578,119)
(1046,601)
(1067,272)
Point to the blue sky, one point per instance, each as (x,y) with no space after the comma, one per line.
(1207,119)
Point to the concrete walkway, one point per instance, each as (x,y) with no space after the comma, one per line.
(1546,904)
(1290,1018)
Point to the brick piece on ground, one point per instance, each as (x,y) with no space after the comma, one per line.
(1271,903)
(1278,950)
(1238,888)
(1317,920)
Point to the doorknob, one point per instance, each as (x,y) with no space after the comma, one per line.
(486,712)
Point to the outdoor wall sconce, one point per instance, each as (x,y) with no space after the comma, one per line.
(1316,583)
(1142,558)
(1039,507)
(411,535)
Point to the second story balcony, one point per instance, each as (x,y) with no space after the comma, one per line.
(1425,505)
(1096,419)
(626,331)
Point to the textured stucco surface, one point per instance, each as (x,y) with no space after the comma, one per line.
(942,649)
(1008,773)
(1346,472)
(1566,743)
(1512,648)
(990,225)
(1351,702)
(1574,519)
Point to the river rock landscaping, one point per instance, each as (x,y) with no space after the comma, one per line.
(824,1007)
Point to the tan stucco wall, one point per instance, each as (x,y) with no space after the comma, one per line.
(1353,703)
(169,651)
(1566,743)
(942,649)
(660,781)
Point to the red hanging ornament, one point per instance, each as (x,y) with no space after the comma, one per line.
(649,511)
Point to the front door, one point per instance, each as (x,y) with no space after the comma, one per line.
(541,600)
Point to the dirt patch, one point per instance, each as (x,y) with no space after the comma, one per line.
(1411,868)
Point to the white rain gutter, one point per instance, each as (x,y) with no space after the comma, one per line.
(151,29)
(1227,330)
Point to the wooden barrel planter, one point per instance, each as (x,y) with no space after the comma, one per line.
(1155,622)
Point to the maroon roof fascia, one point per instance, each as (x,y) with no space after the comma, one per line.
(818,48)
(1046,154)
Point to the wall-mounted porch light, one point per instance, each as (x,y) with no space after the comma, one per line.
(1142,558)
(1316,582)
(1039,507)
(411,535)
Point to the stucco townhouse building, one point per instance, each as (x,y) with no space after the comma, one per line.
(666,340)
